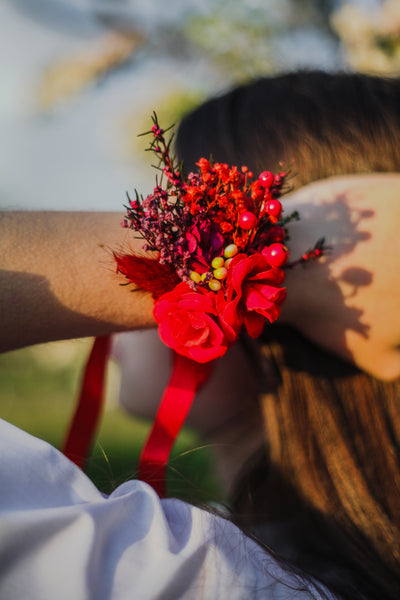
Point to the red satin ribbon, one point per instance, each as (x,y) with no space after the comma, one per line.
(186,379)
(85,420)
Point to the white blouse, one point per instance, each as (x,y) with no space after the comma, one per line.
(60,538)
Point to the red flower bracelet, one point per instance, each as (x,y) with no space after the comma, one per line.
(217,237)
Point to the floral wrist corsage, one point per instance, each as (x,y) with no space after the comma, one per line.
(214,259)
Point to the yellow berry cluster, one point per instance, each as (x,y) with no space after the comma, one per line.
(218,271)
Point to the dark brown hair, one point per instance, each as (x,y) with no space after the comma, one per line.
(317,123)
(329,477)
(328,480)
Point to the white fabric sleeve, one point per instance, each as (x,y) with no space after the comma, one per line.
(60,538)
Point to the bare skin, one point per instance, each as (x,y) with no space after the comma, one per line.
(349,303)
(58,278)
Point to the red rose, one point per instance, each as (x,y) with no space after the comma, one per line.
(253,293)
(189,323)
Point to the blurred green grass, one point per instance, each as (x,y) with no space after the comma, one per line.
(38,390)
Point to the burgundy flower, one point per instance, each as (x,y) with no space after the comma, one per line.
(189,324)
(253,293)
(204,241)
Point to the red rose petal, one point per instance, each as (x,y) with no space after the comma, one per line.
(254,324)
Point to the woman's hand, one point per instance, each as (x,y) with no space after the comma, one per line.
(349,301)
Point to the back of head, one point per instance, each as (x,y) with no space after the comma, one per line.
(316,123)
(330,473)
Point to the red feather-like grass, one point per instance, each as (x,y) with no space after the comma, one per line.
(147,273)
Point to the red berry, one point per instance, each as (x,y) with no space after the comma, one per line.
(276,234)
(277,254)
(266,179)
(274,208)
(247,220)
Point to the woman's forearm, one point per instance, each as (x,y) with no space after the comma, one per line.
(58,278)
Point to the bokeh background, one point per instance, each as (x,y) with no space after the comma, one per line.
(79,80)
